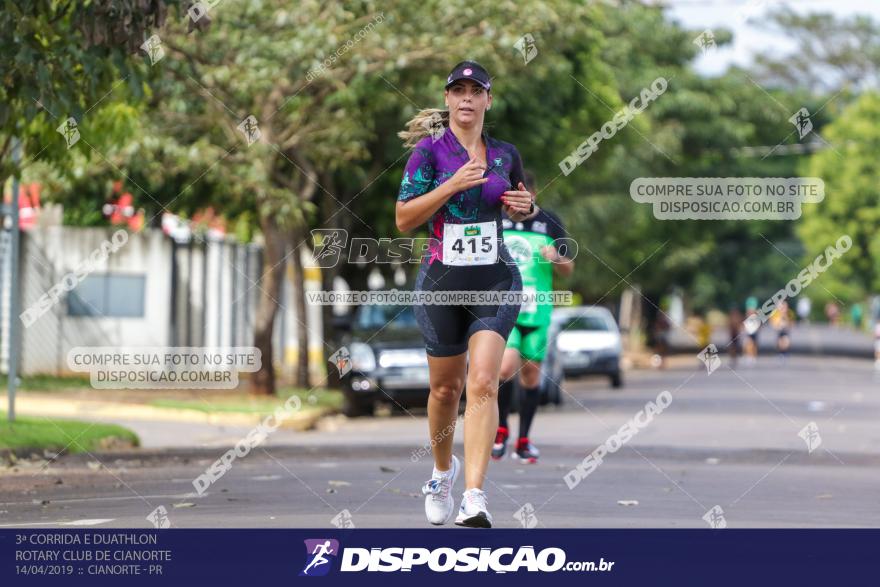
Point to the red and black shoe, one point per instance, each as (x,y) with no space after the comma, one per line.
(500,446)
(526,451)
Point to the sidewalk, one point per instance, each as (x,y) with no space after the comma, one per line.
(72,405)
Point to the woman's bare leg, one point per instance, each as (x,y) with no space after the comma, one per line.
(486,349)
(447,381)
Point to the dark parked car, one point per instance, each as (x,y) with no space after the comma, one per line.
(388,363)
(387,359)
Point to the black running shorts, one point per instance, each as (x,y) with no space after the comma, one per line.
(447,329)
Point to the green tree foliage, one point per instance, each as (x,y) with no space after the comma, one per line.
(63,59)
(697,128)
(830,53)
(851,205)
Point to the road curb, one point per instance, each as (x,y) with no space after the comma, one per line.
(90,409)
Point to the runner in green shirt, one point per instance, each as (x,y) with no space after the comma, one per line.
(533,245)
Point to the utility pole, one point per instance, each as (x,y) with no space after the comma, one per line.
(14,285)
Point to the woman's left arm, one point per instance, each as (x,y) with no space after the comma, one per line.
(518,203)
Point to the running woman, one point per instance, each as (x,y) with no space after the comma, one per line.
(458,180)
(533,244)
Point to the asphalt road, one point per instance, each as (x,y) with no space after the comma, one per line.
(728,439)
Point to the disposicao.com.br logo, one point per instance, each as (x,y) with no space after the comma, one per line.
(440,560)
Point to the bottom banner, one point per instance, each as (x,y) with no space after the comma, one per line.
(364,557)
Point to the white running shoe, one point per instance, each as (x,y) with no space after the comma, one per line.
(439,505)
(473,512)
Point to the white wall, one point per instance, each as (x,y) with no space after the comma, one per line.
(51,252)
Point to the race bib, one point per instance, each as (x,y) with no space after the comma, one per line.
(470,244)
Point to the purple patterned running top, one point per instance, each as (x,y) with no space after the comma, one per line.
(434,161)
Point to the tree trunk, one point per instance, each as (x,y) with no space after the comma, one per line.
(299,304)
(263,381)
(332,217)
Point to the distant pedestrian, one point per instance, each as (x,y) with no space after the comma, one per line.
(803,309)
(751,326)
(662,326)
(877,346)
(704,331)
(780,320)
(734,330)
(855,314)
(832,312)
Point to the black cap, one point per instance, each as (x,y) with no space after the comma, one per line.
(469,70)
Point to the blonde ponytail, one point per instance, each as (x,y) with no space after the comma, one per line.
(429,121)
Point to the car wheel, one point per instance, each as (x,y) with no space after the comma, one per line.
(616,380)
(545,393)
(398,408)
(355,406)
(550,392)
(556,393)
(556,386)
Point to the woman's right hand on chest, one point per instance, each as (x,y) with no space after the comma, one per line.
(468,175)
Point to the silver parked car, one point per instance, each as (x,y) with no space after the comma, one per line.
(586,341)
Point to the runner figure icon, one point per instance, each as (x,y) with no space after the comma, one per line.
(319,559)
